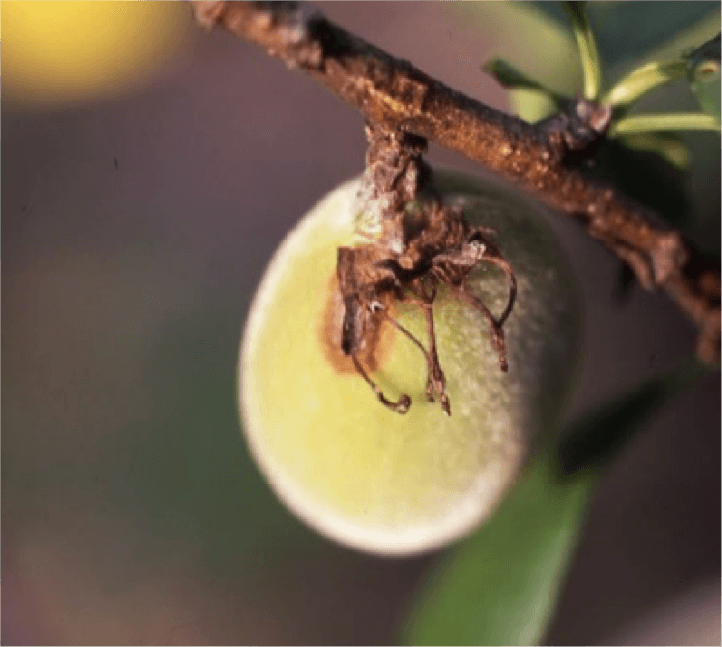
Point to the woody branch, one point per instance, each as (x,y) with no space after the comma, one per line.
(393,95)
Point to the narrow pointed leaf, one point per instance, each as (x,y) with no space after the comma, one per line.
(499,586)
(633,31)
(643,79)
(587,46)
(673,121)
(513,78)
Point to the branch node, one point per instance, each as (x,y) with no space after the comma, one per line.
(579,128)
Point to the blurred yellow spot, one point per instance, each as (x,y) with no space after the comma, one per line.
(55,52)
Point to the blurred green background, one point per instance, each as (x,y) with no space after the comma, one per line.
(136,224)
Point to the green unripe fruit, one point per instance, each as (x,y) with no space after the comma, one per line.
(360,473)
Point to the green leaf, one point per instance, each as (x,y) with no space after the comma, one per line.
(512,77)
(708,95)
(701,183)
(587,46)
(704,75)
(701,66)
(672,121)
(500,585)
(643,79)
(522,33)
(627,31)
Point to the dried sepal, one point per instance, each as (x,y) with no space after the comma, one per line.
(423,248)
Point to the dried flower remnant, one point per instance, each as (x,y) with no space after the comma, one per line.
(438,247)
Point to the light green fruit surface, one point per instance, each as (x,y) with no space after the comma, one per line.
(378,480)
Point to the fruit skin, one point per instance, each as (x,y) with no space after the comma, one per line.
(351,468)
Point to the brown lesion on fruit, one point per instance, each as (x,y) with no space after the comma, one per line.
(377,346)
